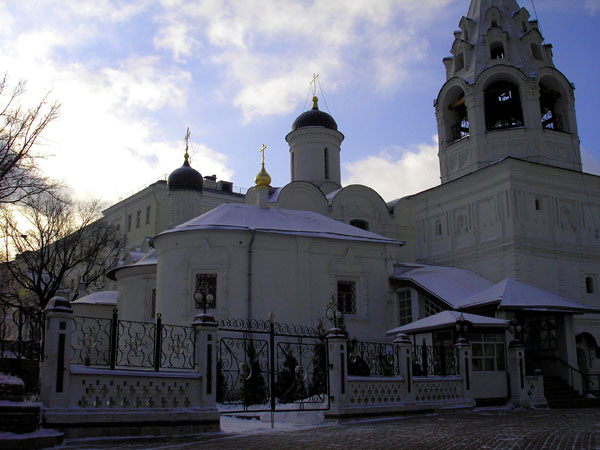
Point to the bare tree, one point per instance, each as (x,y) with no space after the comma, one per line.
(53,239)
(20,129)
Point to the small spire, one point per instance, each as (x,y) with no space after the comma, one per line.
(263,178)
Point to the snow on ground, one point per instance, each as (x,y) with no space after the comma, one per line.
(9,379)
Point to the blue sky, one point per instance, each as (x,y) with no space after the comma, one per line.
(132,75)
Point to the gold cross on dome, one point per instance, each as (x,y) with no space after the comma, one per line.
(314,83)
(262,150)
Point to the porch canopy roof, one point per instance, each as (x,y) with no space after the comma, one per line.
(511,294)
(447,319)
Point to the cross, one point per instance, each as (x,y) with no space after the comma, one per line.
(187,144)
(262,150)
(187,139)
(314,83)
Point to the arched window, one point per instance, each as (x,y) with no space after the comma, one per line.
(497,50)
(503,106)
(362,224)
(459,119)
(549,100)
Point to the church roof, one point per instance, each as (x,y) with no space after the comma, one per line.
(278,221)
(446,319)
(314,118)
(511,294)
(185,178)
(449,284)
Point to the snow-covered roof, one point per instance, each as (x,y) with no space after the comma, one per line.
(231,216)
(447,283)
(98,298)
(511,294)
(447,319)
(149,259)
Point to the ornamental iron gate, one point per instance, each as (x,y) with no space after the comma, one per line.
(21,340)
(270,366)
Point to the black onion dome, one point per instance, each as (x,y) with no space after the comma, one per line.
(314,118)
(185,179)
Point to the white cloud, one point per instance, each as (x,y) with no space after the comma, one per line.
(106,141)
(268,49)
(396,172)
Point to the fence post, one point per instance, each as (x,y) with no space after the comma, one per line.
(114,329)
(337,346)
(205,330)
(463,353)
(517,375)
(403,346)
(54,371)
(158,342)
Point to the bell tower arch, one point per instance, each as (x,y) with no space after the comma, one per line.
(503,96)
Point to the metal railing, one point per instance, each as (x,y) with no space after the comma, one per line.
(435,360)
(118,343)
(371,359)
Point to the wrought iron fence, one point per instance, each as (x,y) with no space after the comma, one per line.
(177,347)
(264,365)
(434,360)
(118,343)
(91,341)
(371,359)
(21,331)
(136,344)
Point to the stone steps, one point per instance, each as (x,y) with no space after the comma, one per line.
(560,395)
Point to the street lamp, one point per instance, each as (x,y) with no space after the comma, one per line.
(203,295)
(462,325)
(335,316)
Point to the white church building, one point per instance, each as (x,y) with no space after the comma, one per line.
(511,233)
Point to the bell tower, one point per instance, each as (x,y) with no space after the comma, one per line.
(503,96)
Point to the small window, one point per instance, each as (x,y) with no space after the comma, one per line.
(536,52)
(438,227)
(206,290)
(497,50)
(147,215)
(488,352)
(524,26)
(138,219)
(326,158)
(430,307)
(494,23)
(129,222)
(538,204)
(362,224)
(346,296)
(117,227)
(404,307)
(590,285)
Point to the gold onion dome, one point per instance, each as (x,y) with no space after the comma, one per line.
(263,178)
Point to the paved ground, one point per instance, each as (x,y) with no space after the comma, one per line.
(484,429)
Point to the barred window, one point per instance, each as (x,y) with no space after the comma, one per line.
(346,296)
(488,352)
(430,307)
(206,290)
(147,215)
(404,307)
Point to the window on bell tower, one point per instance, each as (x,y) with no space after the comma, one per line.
(326,158)
(503,106)
(497,50)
